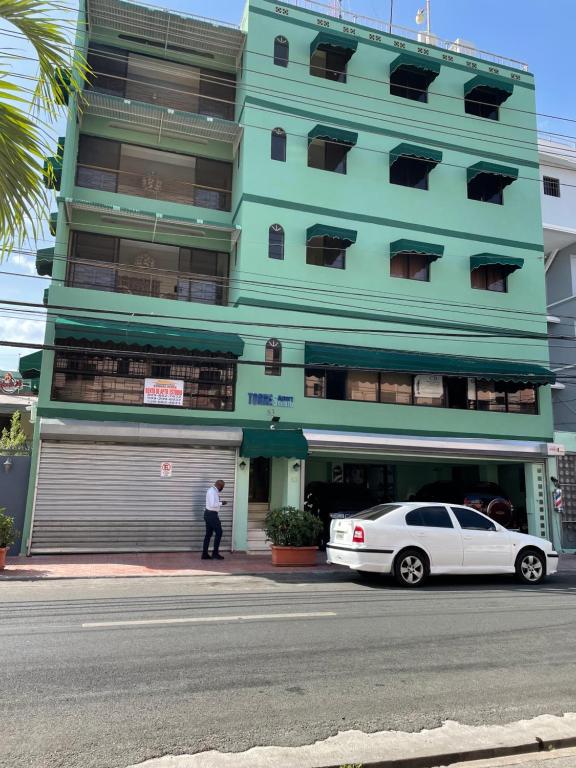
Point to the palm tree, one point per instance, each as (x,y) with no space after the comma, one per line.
(25,122)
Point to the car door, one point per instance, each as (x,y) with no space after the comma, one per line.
(486,544)
(431,527)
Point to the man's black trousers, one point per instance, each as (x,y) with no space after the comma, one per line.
(213,526)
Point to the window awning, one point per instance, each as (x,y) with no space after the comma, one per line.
(333,134)
(268,443)
(420,362)
(332,41)
(141,335)
(44,261)
(422,63)
(413,246)
(509,263)
(431,156)
(495,88)
(506,173)
(30,365)
(346,236)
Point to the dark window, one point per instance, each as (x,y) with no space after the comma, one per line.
(109,69)
(490,278)
(135,170)
(430,517)
(412,266)
(106,376)
(278,145)
(336,385)
(327,155)
(329,64)
(273,358)
(521,398)
(483,102)
(551,186)
(105,263)
(275,242)
(216,97)
(472,521)
(410,172)
(457,392)
(410,83)
(281,51)
(326,252)
(486,187)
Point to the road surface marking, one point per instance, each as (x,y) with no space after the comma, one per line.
(201,619)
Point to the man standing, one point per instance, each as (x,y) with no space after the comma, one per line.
(212,520)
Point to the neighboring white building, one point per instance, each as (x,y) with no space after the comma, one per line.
(558,173)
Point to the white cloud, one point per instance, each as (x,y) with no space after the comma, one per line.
(21,263)
(25,331)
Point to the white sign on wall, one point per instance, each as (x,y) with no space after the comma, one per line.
(163,392)
(428,385)
(166,469)
(556,449)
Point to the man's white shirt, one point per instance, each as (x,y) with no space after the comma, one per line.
(213,502)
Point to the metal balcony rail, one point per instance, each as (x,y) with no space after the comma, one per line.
(351,17)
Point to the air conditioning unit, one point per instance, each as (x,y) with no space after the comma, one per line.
(463,46)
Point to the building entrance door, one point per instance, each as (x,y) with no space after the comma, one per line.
(258,503)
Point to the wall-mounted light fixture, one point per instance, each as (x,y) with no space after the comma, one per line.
(8,464)
(296,467)
(274,421)
(242,464)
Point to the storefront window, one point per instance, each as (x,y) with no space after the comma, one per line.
(362,385)
(396,388)
(491,396)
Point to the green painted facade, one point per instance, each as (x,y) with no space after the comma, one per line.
(361,305)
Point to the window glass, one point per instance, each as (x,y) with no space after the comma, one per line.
(374,513)
(327,156)
(278,145)
(276,242)
(409,83)
(273,357)
(490,396)
(410,172)
(411,266)
(329,64)
(487,188)
(396,388)
(315,383)
(521,398)
(430,517)
(98,162)
(362,385)
(109,67)
(281,49)
(472,521)
(482,102)
(326,252)
(490,278)
(551,186)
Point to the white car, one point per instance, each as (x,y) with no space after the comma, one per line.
(414,540)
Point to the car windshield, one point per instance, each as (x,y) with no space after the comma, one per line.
(375,512)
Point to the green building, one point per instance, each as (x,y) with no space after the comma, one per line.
(299,255)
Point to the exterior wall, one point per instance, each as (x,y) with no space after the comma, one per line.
(557,161)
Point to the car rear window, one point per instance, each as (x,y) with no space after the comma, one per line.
(375,512)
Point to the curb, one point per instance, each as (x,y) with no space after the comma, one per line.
(445,759)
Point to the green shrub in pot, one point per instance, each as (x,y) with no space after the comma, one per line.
(292,527)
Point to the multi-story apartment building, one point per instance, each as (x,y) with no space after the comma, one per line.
(307,250)
(558,170)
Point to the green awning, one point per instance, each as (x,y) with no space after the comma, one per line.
(53,223)
(423,63)
(44,261)
(510,263)
(338,135)
(422,363)
(52,172)
(497,89)
(30,365)
(141,335)
(507,174)
(346,236)
(268,443)
(432,156)
(413,246)
(342,44)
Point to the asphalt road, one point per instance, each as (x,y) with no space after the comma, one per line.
(107,673)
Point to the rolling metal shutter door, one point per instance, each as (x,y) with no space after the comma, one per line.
(102,497)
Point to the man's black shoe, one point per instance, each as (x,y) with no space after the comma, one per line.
(217,557)
(206,557)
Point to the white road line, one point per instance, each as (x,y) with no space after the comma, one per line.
(203,619)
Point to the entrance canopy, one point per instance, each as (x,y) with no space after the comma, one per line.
(421,362)
(140,334)
(268,443)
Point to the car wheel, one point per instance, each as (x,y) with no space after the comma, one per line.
(530,566)
(411,568)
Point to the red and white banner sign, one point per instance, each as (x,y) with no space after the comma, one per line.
(163,392)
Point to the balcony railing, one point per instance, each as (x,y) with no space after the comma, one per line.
(157,182)
(116,278)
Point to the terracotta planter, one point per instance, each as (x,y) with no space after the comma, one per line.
(3,553)
(294,555)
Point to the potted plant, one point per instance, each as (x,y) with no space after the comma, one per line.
(294,535)
(7,536)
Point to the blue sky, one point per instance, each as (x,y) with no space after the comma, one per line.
(540,33)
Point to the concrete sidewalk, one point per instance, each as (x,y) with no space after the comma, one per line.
(168,564)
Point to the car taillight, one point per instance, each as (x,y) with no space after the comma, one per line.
(358,536)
